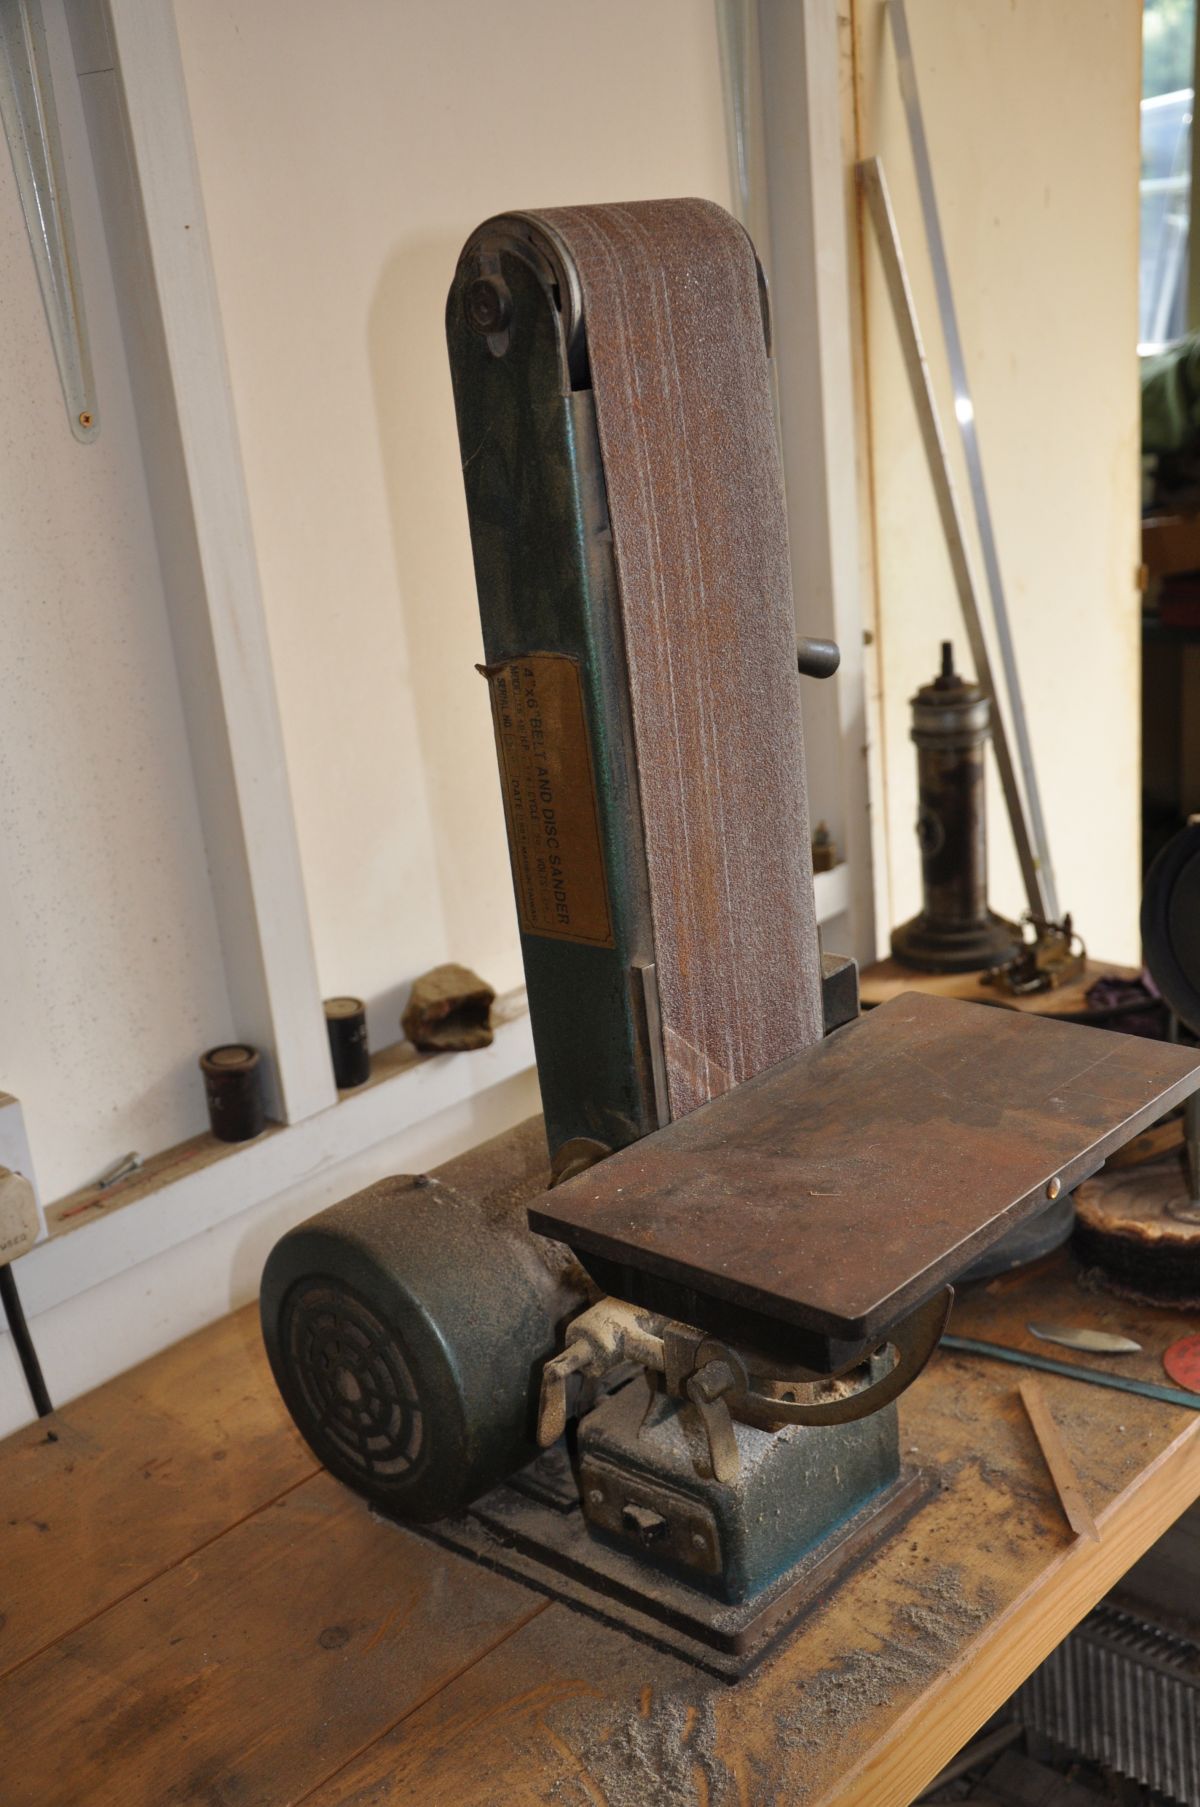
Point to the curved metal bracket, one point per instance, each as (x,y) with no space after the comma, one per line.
(914,1340)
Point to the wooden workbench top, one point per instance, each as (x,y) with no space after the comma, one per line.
(888,979)
(191,1613)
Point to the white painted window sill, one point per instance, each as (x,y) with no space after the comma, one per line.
(831,891)
(189,1189)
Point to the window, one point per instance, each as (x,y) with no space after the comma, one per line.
(1168,55)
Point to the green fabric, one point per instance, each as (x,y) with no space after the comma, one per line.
(1171,397)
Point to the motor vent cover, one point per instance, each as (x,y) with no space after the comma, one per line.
(405,1328)
(359,1394)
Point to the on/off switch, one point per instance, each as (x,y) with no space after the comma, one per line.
(640,1522)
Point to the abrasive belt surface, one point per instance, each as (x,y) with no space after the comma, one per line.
(683,405)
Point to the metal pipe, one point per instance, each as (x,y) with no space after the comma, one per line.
(10,1299)
(1021,1358)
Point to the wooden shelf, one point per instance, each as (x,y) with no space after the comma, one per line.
(888,978)
(185,1190)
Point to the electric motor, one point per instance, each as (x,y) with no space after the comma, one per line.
(406,1327)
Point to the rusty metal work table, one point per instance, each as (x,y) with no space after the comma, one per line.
(839,1188)
(192,1613)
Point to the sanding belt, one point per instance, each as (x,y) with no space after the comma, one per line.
(680,377)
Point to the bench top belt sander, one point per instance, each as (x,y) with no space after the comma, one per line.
(703,1306)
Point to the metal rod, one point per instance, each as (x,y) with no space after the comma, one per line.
(31,126)
(732,32)
(1120,1383)
(965,414)
(10,1299)
(873,184)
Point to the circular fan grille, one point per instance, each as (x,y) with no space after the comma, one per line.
(357,1388)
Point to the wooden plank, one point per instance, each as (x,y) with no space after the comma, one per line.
(254,1669)
(1063,1475)
(861,1710)
(567,1711)
(111,1490)
(1164,1138)
(537,1703)
(887,979)
(135,103)
(802,228)
(1170,543)
(884,1684)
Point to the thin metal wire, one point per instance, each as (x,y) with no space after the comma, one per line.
(1096,1377)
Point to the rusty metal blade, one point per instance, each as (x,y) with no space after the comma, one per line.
(1096,1342)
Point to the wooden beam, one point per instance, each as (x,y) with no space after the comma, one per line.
(807,258)
(144,1469)
(135,103)
(362,1619)
(1062,1473)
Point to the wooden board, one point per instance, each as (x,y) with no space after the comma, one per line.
(135,1476)
(210,1682)
(888,978)
(887,1682)
(1170,543)
(252,1670)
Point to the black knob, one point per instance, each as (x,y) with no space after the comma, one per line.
(818,658)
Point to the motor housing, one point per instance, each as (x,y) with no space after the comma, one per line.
(405,1327)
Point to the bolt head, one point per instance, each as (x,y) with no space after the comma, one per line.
(1054,1187)
(488,305)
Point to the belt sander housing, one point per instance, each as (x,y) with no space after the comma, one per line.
(704,1304)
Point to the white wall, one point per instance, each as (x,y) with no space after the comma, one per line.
(345,153)
(342,169)
(1032,118)
(111,979)
(130,1314)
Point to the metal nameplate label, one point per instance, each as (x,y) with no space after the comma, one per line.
(550,798)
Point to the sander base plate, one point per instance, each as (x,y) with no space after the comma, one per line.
(532,1537)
